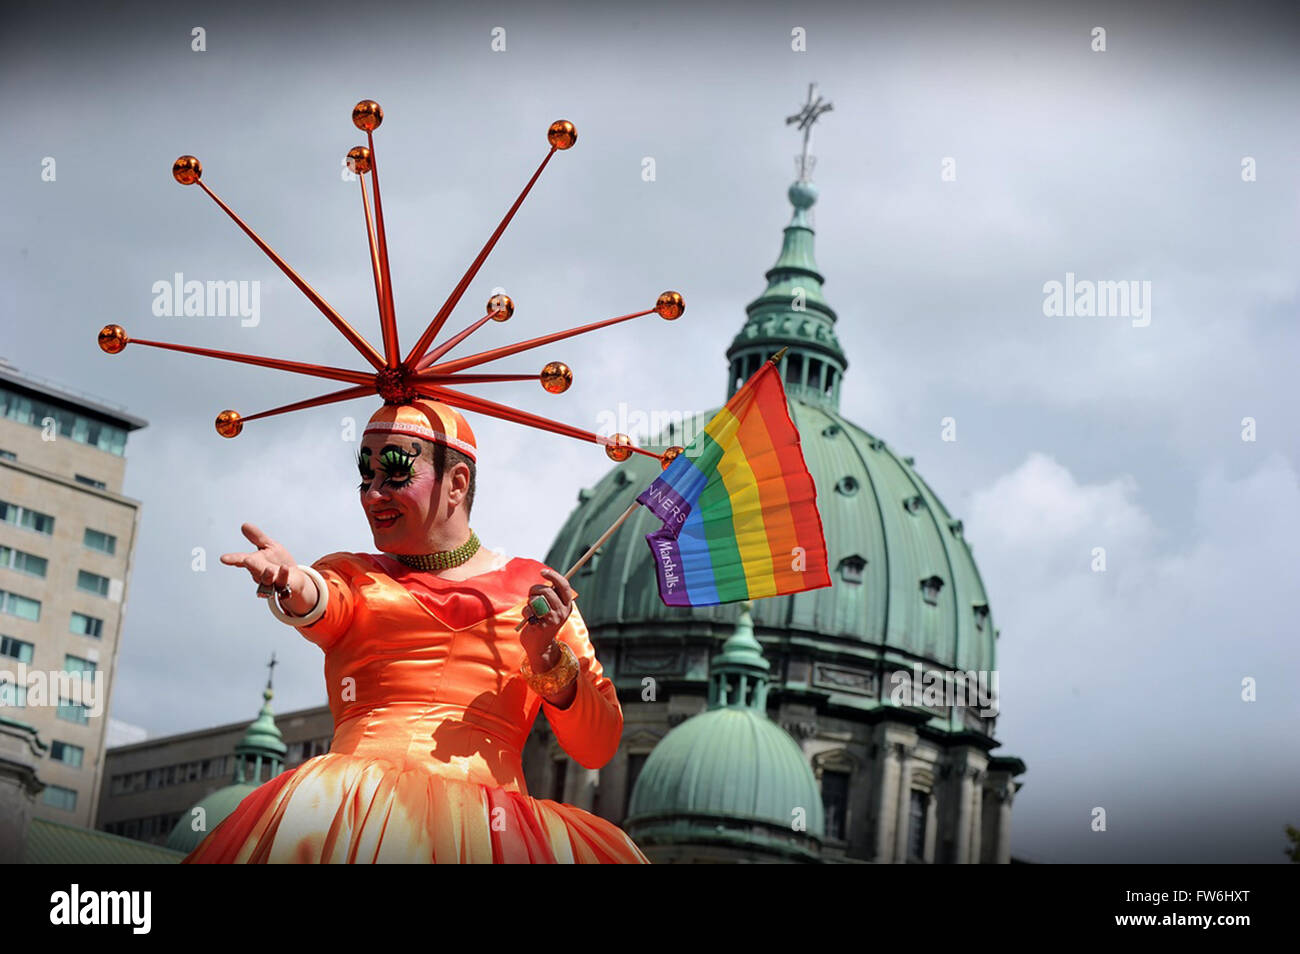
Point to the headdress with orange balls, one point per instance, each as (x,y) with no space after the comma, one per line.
(415,387)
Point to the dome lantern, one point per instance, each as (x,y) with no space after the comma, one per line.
(792,312)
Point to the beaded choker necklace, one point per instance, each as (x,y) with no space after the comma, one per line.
(443,559)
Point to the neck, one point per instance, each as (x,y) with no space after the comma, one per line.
(447,536)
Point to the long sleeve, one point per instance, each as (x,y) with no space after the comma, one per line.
(590,728)
(338,610)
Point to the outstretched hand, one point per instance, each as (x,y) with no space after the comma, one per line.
(272,565)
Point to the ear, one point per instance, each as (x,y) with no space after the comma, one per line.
(457,479)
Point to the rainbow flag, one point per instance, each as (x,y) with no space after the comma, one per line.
(739,506)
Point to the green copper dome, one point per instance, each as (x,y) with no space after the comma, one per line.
(262,742)
(730,775)
(216,808)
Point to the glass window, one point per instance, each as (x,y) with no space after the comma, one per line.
(92,583)
(12,695)
(15,649)
(79,427)
(60,797)
(22,561)
(98,540)
(68,754)
(7,454)
(70,711)
(90,482)
(28,519)
(635,763)
(21,606)
(87,625)
(77,664)
(835,802)
(916,826)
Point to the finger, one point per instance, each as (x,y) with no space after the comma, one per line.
(235,559)
(560,583)
(553,601)
(256,536)
(282,577)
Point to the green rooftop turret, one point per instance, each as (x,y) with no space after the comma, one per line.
(792,312)
(738,674)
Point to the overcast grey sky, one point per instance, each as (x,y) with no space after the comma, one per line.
(1119,689)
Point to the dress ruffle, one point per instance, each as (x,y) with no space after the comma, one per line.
(345,809)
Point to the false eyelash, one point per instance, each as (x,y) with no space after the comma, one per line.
(394,459)
(363,467)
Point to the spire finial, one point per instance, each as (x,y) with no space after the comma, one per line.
(806,117)
(270,671)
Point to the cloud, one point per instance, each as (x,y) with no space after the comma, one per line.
(1123,689)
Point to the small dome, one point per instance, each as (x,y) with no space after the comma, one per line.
(728,774)
(803,195)
(215,807)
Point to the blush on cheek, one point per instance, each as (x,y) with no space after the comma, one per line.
(420,492)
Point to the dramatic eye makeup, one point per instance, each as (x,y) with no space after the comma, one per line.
(397,465)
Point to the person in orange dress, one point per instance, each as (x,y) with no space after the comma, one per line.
(432,688)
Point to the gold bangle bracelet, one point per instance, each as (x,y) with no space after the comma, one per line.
(557,677)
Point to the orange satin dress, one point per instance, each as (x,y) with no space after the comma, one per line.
(430,716)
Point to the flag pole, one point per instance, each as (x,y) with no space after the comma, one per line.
(591,550)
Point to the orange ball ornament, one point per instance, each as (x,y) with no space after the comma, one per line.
(556,377)
(562,134)
(670,306)
(670,455)
(112,339)
(187,170)
(359,160)
(619,448)
(500,307)
(229,424)
(367,115)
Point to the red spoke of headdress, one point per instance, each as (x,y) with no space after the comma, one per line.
(469,402)
(472,360)
(358,342)
(375,266)
(432,377)
(280,364)
(387,314)
(440,318)
(451,342)
(333,397)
